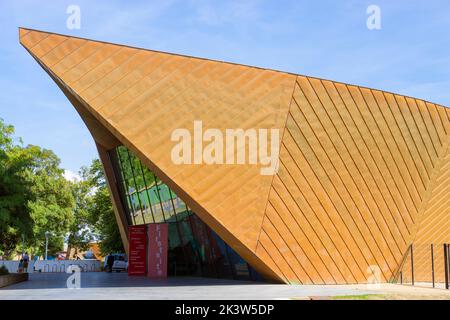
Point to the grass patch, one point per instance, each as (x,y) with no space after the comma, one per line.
(359,297)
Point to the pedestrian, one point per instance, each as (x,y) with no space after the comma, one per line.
(20,270)
(25,266)
(110,262)
(26,260)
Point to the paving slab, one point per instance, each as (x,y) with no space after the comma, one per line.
(120,286)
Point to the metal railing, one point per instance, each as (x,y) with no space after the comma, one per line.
(425,265)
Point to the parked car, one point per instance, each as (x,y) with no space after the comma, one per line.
(120,262)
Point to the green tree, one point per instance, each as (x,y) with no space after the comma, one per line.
(106,224)
(15,220)
(34,196)
(80,230)
(50,198)
(101,214)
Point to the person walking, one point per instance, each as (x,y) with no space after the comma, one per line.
(26,260)
(20,269)
(110,262)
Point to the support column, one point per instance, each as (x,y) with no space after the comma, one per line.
(119,211)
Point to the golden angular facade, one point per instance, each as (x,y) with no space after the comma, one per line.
(363,173)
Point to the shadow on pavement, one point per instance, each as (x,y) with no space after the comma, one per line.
(117,280)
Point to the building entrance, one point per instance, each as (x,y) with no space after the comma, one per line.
(194,249)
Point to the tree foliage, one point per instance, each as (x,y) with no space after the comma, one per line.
(80,231)
(101,213)
(15,219)
(34,196)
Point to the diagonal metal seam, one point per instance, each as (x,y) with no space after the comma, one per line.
(334,241)
(36,43)
(95,69)
(344,220)
(126,74)
(384,143)
(110,55)
(279,155)
(392,138)
(427,197)
(332,143)
(365,180)
(43,55)
(407,144)
(302,249)
(420,134)
(372,162)
(108,73)
(430,188)
(353,217)
(206,113)
(433,226)
(88,56)
(23,32)
(371,121)
(331,246)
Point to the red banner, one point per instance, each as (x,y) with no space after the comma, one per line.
(137,250)
(158,234)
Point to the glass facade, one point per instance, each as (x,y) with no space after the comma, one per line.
(194,249)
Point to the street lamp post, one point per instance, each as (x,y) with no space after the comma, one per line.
(47,234)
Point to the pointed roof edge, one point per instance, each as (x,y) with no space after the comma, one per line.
(226,235)
(21,29)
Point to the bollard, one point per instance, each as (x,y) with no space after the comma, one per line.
(446,265)
(432,264)
(412,265)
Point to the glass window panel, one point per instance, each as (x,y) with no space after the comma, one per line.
(194,249)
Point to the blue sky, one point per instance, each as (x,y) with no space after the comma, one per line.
(328,39)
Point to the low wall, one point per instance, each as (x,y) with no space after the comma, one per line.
(12,278)
(54,265)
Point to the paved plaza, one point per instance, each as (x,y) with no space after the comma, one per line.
(98,285)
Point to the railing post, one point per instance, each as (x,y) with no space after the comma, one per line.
(446,264)
(412,264)
(432,264)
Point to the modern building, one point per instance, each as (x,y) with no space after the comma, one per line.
(363,174)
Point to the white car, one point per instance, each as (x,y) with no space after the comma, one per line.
(120,262)
(120,265)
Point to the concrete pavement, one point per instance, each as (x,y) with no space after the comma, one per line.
(119,286)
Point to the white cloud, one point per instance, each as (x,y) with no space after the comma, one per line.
(71,176)
(215,13)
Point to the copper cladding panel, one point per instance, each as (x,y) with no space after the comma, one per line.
(362,172)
